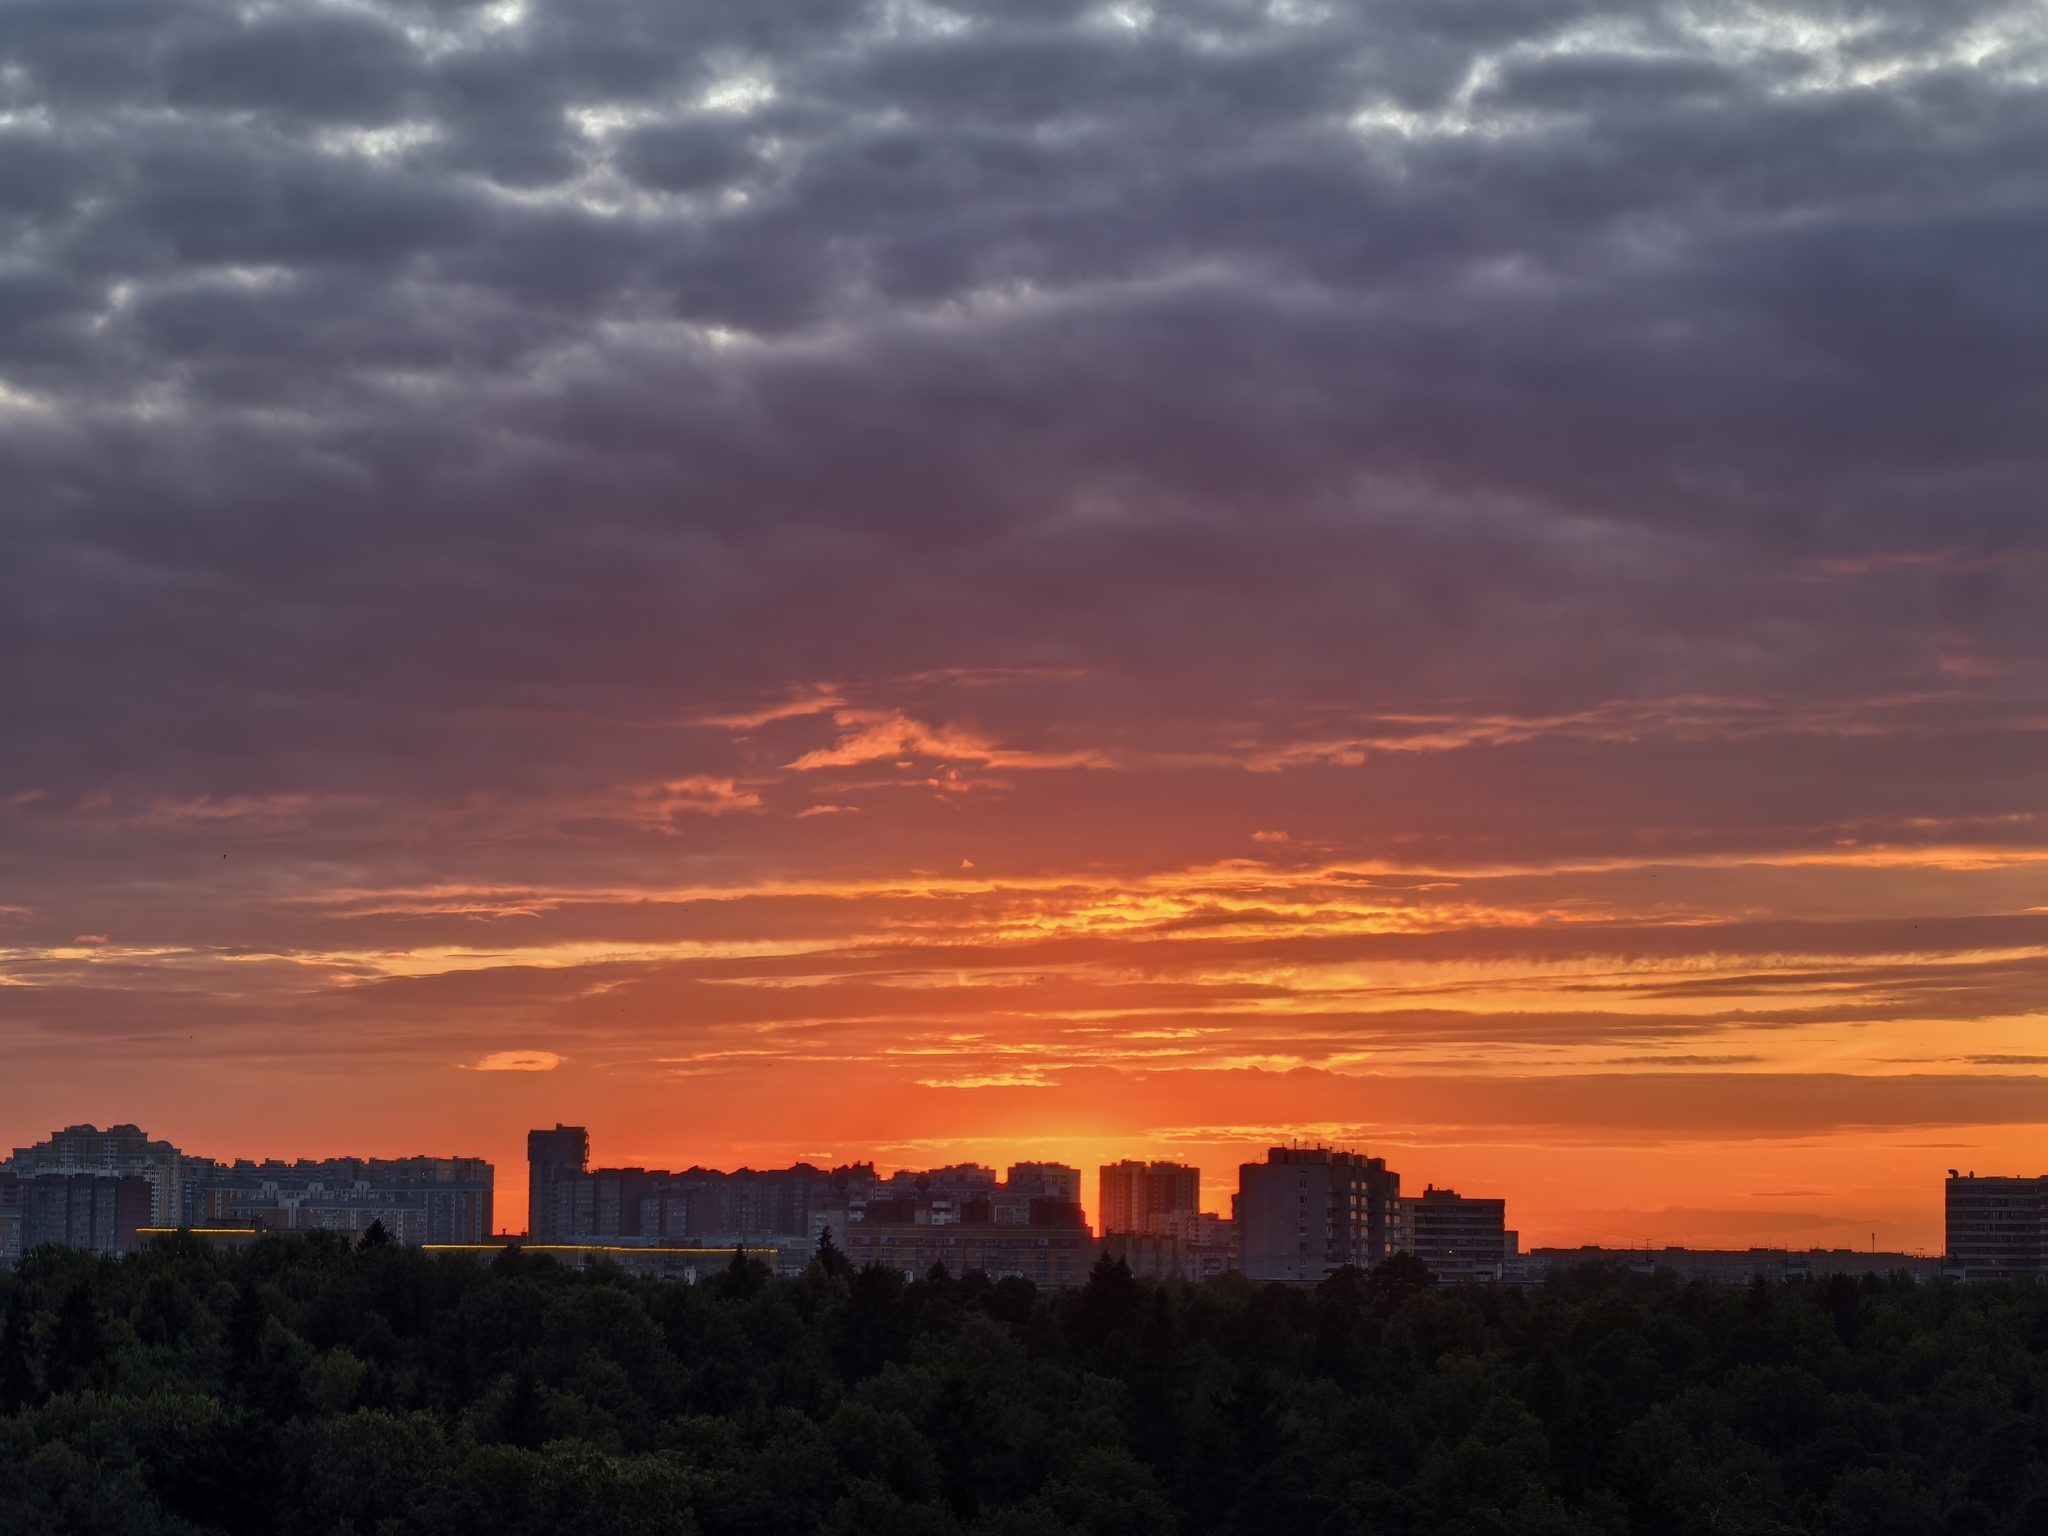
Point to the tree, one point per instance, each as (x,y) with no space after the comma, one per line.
(828,1256)
(1393,1280)
(745,1276)
(17,1370)
(78,1356)
(874,1327)
(374,1237)
(1107,1302)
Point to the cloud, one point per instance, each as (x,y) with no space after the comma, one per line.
(200,811)
(699,794)
(816,700)
(1244,361)
(873,736)
(519,1061)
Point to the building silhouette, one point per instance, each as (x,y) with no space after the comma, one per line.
(1053,1246)
(91,1189)
(1132,1194)
(1055,1180)
(1994,1225)
(415,1199)
(108,1191)
(1458,1238)
(1308,1211)
(1728,1266)
(570,1202)
(1022,1223)
(555,1164)
(98,1213)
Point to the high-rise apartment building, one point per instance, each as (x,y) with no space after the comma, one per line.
(119,1152)
(106,1190)
(91,1189)
(555,1164)
(1134,1194)
(1051,1181)
(571,1202)
(1308,1211)
(1995,1225)
(1458,1238)
(96,1212)
(415,1199)
(785,1209)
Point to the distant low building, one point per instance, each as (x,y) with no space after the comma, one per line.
(689,1265)
(1728,1266)
(1209,1241)
(1054,1249)
(1149,1255)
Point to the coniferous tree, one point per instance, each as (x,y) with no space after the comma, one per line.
(17,1369)
(745,1276)
(77,1356)
(828,1256)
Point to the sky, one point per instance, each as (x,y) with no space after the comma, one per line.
(1466,579)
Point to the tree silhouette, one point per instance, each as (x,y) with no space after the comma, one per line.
(78,1350)
(17,1371)
(422,1394)
(1393,1280)
(745,1276)
(828,1256)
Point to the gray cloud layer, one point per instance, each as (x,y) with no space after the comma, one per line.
(378,382)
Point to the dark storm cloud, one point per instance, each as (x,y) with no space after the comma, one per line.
(365,366)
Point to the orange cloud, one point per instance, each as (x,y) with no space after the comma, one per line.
(699,795)
(875,735)
(519,1061)
(813,699)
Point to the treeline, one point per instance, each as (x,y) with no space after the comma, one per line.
(305,1388)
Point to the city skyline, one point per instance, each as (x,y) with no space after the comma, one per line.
(1299,1215)
(1218,1187)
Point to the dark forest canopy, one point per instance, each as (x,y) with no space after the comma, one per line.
(301,1386)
